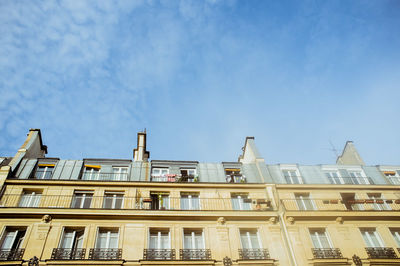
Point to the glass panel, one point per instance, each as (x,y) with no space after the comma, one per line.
(67,239)
(8,240)
(164,240)
(198,240)
(87,201)
(254,240)
(187,241)
(153,241)
(184,202)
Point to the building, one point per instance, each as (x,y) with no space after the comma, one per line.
(141,212)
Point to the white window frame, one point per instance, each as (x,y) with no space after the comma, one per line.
(240,197)
(33,199)
(84,196)
(114,199)
(329,172)
(393,178)
(109,231)
(292,177)
(302,197)
(9,229)
(358,178)
(160,177)
(159,232)
(191,200)
(119,175)
(368,237)
(249,238)
(74,238)
(318,237)
(396,235)
(379,207)
(93,172)
(193,238)
(43,173)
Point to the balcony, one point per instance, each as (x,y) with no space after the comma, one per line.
(327,253)
(159,254)
(11,254)
(341,205)
(138,203)
(195,254)
(381,253)
(105,254)
(254,254)
(174,178)
(68,254)
(105,176)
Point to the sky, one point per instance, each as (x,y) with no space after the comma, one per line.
(302,77)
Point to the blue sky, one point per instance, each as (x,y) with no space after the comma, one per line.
(201,76)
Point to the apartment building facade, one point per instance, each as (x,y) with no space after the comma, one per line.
(159,212)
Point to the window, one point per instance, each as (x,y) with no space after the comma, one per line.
(396,235)
(188,175)
(44,171)
(30,199)
(350,201)
(91,172)
(70,245)
(193,239)
(160,239)
(371,238)
(334,177)
(159,174)
(379,203)
(393,176)
(12,238)
(249,239)
(190,201)
(120,173)
(292,177)
(320,238)
(240,202)
(304,202)
(159,201)
(107,238)
(82,199)
(233,175)
(358,178)
(113,200)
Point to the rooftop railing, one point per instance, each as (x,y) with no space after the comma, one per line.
(136,203)
(341,205)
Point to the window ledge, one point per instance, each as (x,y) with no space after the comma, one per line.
(85,262)
(178,262)
(324,262)
(267,262)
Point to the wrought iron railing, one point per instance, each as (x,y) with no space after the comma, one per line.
(68,254)
(253,254)
(105,254)
(11,254)
(159,254)
(137,203)
(195,254)
(174,178)
(327,253)
(381,253)
(310,204)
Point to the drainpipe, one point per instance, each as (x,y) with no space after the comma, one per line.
(286,236)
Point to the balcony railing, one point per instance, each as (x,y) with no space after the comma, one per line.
(137,203)
(105,254)
(351,180)
(159,254)
(253,254)
(104,176)
(327,253)
(381,253)
(341,205)
(174,178)
(11,254)
(195,254)
(68,254)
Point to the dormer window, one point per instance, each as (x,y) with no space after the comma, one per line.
(233,175)
(44,171)
(91,172)
(188,175)
(393,176)
(292,176)
(162,175)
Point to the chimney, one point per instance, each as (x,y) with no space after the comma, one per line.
(140,154)
(350,155)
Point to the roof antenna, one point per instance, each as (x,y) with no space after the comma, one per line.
(334,149)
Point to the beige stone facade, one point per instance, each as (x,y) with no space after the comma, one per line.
(140,212)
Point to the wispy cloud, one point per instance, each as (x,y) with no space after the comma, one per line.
(200,75)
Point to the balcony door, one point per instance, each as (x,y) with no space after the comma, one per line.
(72,239)
(304,202)
(12,239)
(372,238)
(193,239)
(107,239)
(320,239)
(160,239)
(240,202)
(190,201)
(82,199)
(30,199)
